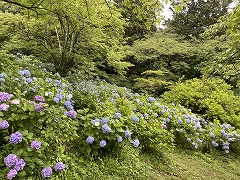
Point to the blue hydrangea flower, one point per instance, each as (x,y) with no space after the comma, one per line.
(59,96)
(102,143)
(155,115)
(140,103)
(29,80)
(180,121)
(90,139)
(127,134)
(119,139)
(47,172)
(16,138)
(151,99)
(105,120)
(135,118)
(136,143)
(214,144)
(68,105)
(118,115)
(57,82)
(106,129)
(212,135)
(56,100)
(26,73)
(188,139)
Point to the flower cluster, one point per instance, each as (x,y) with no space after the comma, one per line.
(4,107)
(39,98)
(15,138)
(15,164)
(90,139)
(71,114)
(36,145)
(24,73)
(106,129)
(4,97)
(47,171)
(4,124)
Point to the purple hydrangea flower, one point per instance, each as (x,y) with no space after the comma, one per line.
(72,114)
(4,107)
(11,174)
(106,129)
(16,138)
(90,139)
(10,160)
(4,124)
(136,143)
(47,172)
(19,165)
(155,115)
(164,126)
(4,97)
(59,167)
(36,145)
(40,106)
(119,139)
(39,98)
(118,115)
(127,134)
(102,143)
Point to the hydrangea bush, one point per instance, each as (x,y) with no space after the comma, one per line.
(45,119)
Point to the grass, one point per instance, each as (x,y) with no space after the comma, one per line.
(152,164)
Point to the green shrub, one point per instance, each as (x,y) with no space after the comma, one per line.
(211,98)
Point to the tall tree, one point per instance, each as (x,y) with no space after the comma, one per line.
(140,16)
(197,16)
(82,34)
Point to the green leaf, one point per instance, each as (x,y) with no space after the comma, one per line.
(22,173)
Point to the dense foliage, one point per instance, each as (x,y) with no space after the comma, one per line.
(60,111)
(45,121)
(197,16)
